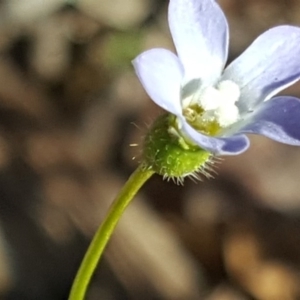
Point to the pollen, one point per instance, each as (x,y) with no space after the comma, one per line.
(210,99)
(213,108)
(230,91)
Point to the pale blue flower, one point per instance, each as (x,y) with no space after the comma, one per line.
(214,106)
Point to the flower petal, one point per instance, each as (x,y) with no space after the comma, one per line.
(160,73)
(278,119)
(231,145)
(200,34)
(270,64)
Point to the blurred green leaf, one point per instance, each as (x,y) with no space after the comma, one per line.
(121,48)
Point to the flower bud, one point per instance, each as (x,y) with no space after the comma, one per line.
(168,154)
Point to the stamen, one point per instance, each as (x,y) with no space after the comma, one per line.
(213,108)
(210,99)
(230,91)
(227,115)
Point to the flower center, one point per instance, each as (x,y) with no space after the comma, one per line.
(213,108)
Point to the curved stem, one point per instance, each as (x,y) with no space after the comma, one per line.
(103,234)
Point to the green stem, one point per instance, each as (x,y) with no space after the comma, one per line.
(103,234)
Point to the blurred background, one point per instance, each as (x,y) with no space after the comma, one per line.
(70,106)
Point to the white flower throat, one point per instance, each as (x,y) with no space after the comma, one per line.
(213,108)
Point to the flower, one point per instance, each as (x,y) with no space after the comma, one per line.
(215,107)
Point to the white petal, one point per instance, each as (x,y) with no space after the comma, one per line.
(231,145)
(270,64)
(160,73)
(200,33)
